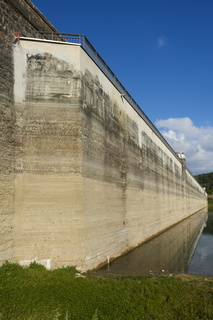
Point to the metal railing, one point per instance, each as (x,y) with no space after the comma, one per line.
(65,37)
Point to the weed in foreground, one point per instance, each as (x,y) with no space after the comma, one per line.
(36,293)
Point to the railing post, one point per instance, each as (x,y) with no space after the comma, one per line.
(83,41)
(96,57)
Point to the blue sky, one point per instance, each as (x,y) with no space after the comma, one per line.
(162,52)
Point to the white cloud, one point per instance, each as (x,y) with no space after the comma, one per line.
(161,41)
(195,142)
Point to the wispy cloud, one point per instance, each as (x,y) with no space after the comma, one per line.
(161,41)
(195,142)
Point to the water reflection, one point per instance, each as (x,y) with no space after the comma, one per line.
(171,251)
(203,256)
(209,225)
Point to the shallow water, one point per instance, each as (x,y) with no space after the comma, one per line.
(202,260)
(185,248)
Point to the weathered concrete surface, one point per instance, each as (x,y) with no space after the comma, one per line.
(15,16)
(92,180)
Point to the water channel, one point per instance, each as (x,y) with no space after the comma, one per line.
(185,248)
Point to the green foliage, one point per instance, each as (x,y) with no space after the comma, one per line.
(210,205)
(68,270)
(37,266)
(206,181)
(10,267)
(35,293)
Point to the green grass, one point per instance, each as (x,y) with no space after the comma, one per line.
(35,293)
(210,205)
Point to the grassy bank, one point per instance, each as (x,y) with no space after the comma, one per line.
(35,293)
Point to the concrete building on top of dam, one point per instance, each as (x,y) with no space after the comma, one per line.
(85,175)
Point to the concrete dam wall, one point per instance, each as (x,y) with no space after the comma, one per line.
(86,177)
(15,16)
